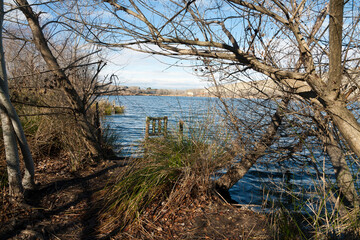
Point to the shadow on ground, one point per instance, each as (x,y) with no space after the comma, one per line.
(63,208)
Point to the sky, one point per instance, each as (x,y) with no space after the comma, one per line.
(139,69)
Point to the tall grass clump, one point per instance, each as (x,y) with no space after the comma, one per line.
(108,108)
(55,132)
(315,222)
(172,168)
(316,213)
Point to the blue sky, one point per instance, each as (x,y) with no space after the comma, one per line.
(140,69)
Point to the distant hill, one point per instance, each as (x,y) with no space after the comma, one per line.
(269,88)
(258,89)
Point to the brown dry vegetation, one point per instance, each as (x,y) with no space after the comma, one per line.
(69,203)
(72,200)
(65,207)
(165,195)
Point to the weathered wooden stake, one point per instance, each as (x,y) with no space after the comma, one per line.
(165,125)
(181,127)
(147,127)
(159,126)
(153,126)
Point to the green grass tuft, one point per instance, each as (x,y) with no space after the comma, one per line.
(119,109)
(171,168)
(108,110)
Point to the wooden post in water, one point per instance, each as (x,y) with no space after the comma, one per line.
(157,127)
(147,127)
(153,126)
(181,127)
(165,125)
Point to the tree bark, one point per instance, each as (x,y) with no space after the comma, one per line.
(9,110)
(12,156)
(9,116)
(335,105)
(346,123)
(344,178)
(335,48)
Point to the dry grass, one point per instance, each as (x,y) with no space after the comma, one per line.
(171,170)
(316,216)
(53,131)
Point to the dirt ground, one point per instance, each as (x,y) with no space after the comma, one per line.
(63,208)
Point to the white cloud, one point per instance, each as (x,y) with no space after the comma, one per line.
(139,69)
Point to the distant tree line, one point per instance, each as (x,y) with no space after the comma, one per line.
(133,90)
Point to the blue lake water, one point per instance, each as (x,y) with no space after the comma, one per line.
(253,188)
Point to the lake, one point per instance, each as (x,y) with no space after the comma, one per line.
(263,181)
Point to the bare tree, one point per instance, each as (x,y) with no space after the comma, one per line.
(206,31)
(62,80)
(284,42)
(287,19)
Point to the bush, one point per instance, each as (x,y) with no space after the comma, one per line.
(171,169)
(108,110)
(51,131)
(119,109)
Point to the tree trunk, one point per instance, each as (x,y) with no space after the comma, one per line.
(335,48)
(236,172)
(348,126)
(9,110)
(335,106)
(61,78)
(12,156)
(28,179)
(350,131)
(12,125)
(344,178)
